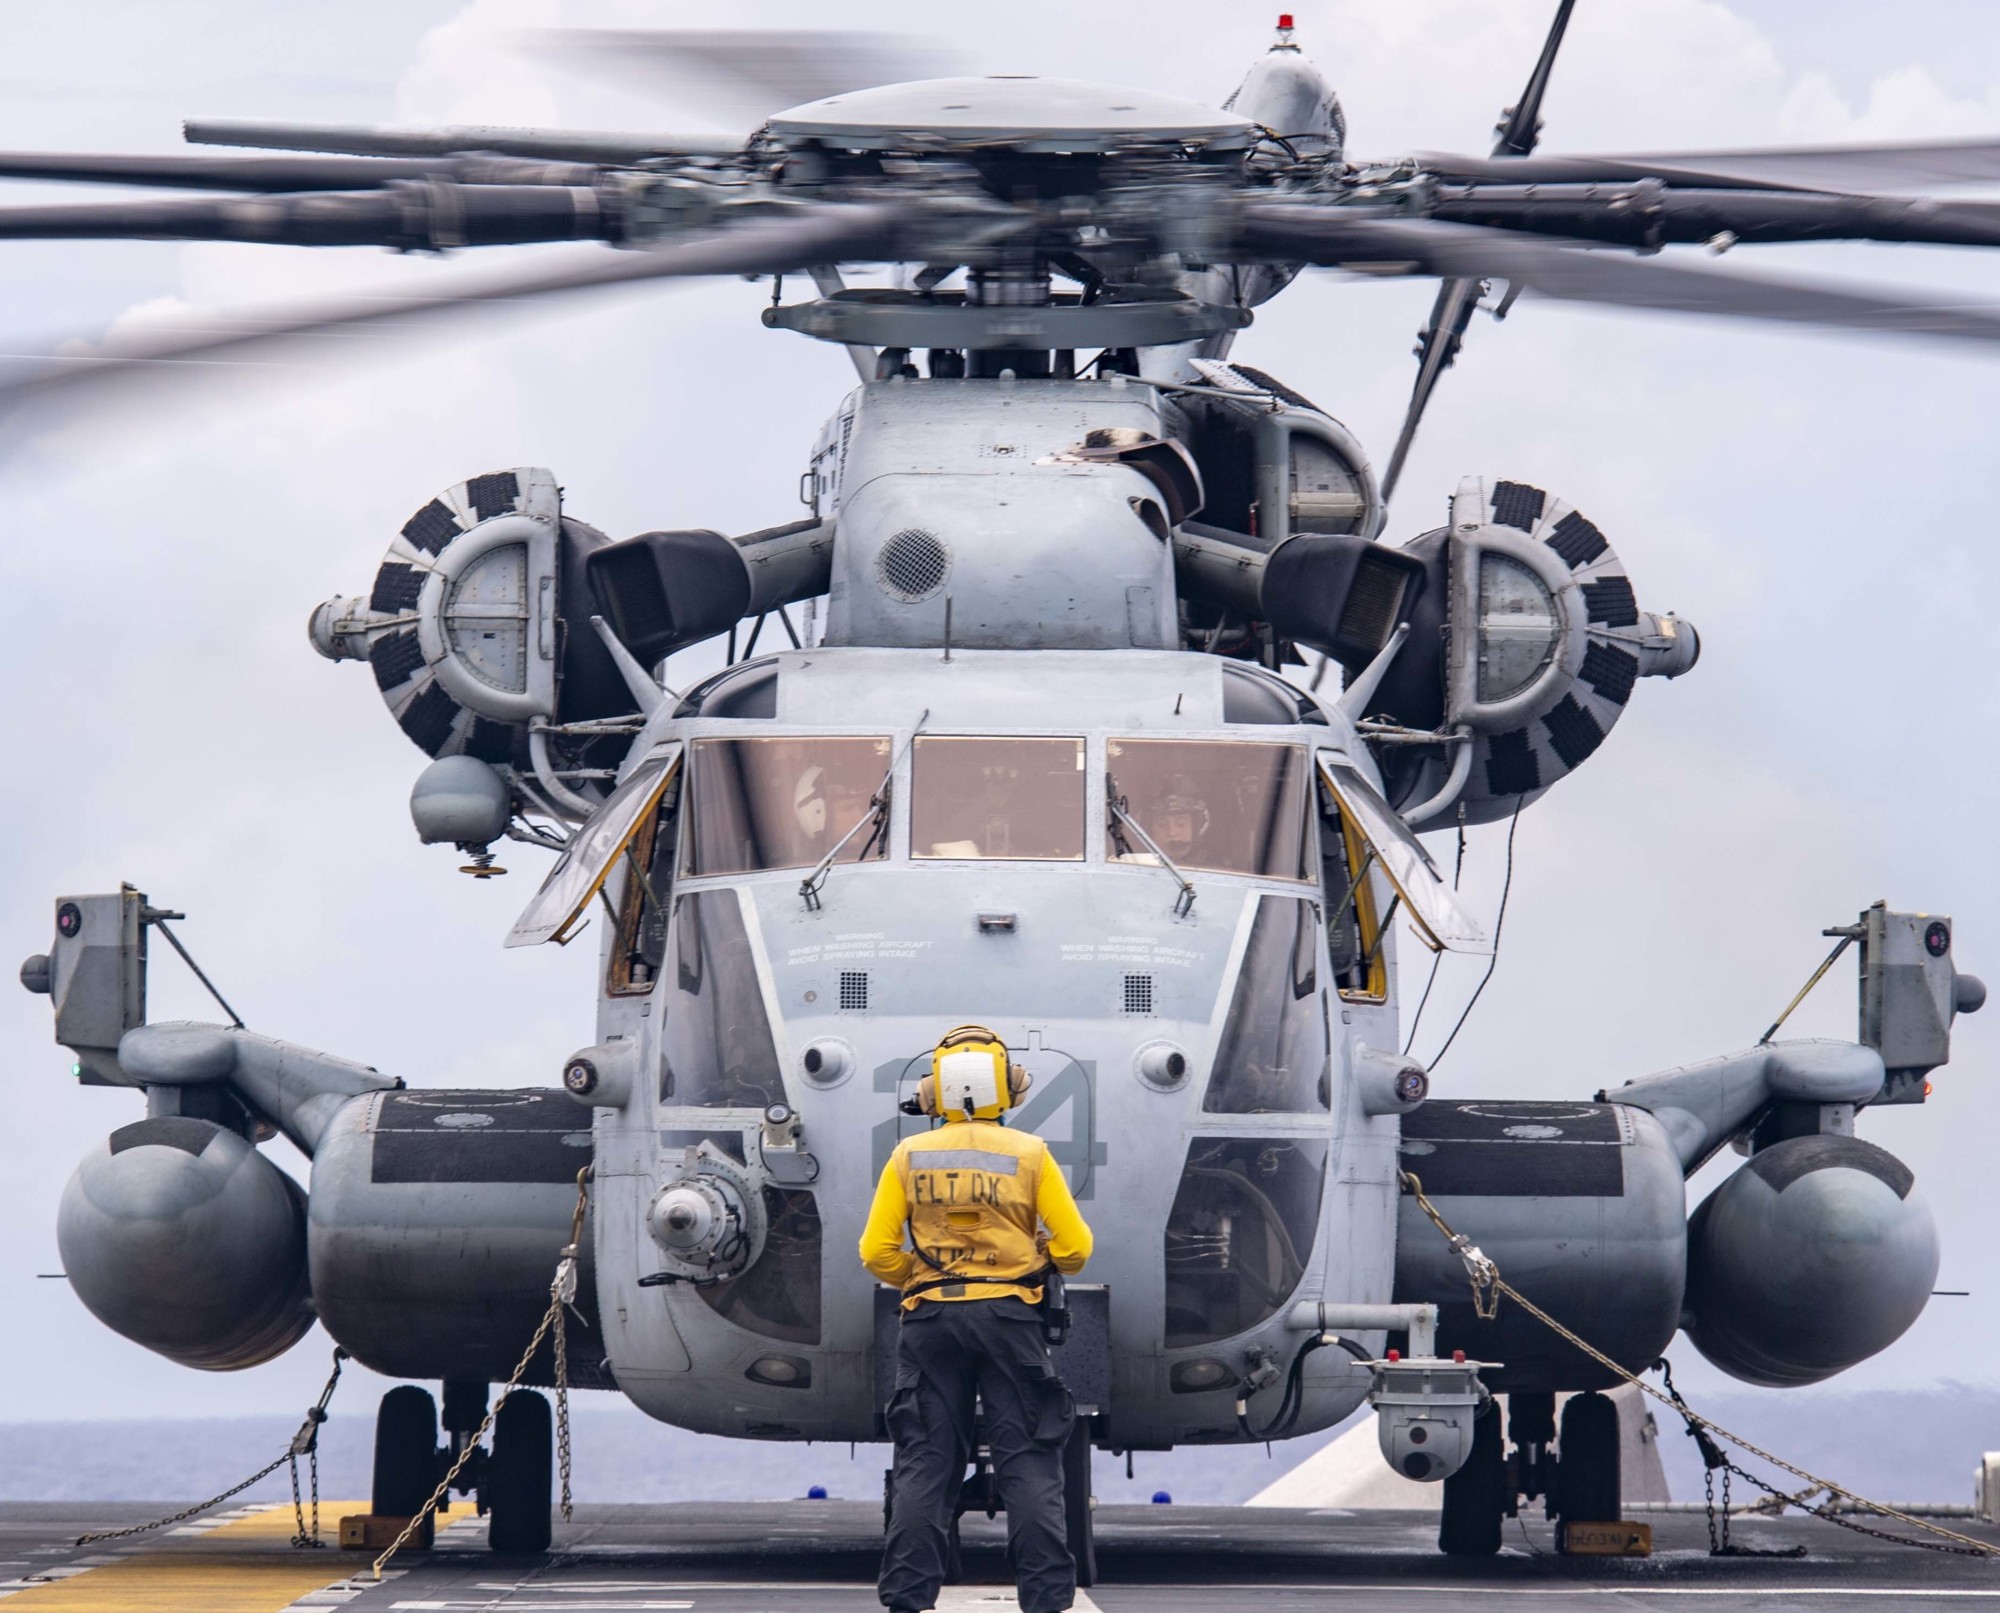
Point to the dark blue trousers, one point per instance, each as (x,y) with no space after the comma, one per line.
(949,1355)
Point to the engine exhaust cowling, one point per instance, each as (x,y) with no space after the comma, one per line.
(1811,1258)
(1525,642)
(180,1236)
(477,626)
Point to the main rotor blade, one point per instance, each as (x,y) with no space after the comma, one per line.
(1649,214)
(1577,272)
(1903,165)
(414,217)
(557,145)
(1437,346)
(273,175)
(745,74)
(1520,126)
(1518,132)
(813,234)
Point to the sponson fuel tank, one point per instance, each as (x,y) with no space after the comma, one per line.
(1583,1208)
(182,1237)
(436,1221)
(1814,1256)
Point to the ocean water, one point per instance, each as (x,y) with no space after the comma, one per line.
(619,1455)
(1894,1445)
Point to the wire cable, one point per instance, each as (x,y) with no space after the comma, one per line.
(1499,923)
(1292,1402)
(1437,957)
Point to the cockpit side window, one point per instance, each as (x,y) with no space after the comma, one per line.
(1353,928)
(758,804)
(997,799)
(1273,1054)
(720,1054)
(1240,1233)
(648,898)
(1224,806)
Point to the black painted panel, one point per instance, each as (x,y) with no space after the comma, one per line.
(480,1136)
(1490,1118)
(1516,1149)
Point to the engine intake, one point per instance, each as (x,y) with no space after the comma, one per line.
(478,622)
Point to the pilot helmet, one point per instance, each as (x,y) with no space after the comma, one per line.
(809,802)
(971,1077)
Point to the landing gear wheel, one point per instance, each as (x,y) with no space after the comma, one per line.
(518,1484)
(1078,1518)
(406,1457)
(1587,1476)
(1475,1497)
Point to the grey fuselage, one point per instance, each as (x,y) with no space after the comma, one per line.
(903,936)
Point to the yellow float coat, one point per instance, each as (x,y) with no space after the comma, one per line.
(972,1195)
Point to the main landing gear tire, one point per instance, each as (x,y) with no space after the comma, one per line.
(1078,1517)
(1587,1474)
(406,1457)
(518,1484)
(1475,1497)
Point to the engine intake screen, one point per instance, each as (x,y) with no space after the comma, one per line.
(997,799)
(1224,806)
(758,804)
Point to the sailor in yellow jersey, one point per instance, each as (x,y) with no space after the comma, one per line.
(987,1213)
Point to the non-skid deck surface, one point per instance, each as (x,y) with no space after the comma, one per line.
(820,1555)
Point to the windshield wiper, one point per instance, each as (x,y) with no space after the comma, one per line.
(877,814)
(1122,820)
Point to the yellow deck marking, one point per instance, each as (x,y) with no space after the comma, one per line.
(245,1566)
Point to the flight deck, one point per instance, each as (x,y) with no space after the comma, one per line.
(821,1555)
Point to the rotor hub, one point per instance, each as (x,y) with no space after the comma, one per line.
(1016,113)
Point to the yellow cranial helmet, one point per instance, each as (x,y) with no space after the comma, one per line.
(971,1078)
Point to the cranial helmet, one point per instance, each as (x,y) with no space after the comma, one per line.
(809,801)
(971,1077)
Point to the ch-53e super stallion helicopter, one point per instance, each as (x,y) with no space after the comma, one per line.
(1034,762)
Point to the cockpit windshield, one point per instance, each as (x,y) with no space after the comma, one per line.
(1225,806)
(997,798)
(783,802)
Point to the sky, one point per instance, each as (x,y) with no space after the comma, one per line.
(1818,506)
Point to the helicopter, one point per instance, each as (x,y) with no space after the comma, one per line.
(792,896)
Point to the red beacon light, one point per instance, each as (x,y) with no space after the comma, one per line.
(1285,21)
